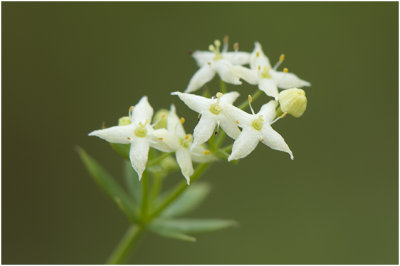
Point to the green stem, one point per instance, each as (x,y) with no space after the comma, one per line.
(124,247)
(179,190)
(245,104)
(145,196)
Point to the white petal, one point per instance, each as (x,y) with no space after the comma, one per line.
(185,163)
(240,117)
(288,80)
(165,141)
(230,127)
(223,67)
(268,111)
(249,75)
(204,129)
(117,134)
(142,111)
(199,155)
(260,60)
(274,140)
(230,97)
(201,77)
(269,87)
(139,154)
(195,102)
(237,58)
(203,57)
(174,123)
(245,143)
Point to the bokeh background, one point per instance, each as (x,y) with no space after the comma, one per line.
(69,67)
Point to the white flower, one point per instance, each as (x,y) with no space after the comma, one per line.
(236,58)
(215,62)
(255,128)
(267,78)
(139,133)
(213,112)
(180,142)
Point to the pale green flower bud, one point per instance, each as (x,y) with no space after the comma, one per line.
(160,119)
(293,101)
(123,121)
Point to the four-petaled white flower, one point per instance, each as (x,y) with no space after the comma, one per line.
(255,128)
(139,133)
(180,143)
(213,112)
(267,78)
(216,62)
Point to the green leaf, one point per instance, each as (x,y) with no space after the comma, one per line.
(172,234)
(106,182)
(192,226)
(122,149)
(188,201)
(132,182)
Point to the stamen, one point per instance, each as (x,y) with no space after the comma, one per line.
(187,136)
(285,70)
(226,44)
(128,138)
(278,118)
(236,46)
(207,152)
(219,94)
(130,112)
(257,54)
(237,122)
(211,48)
(250,100)
(281,59)
(182,120)
(259,68)
(160,138)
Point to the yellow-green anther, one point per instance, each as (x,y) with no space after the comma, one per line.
(123,121)
(160,119)
(265,73)
(187,141)
(257,124)
(215,108)
(293,101)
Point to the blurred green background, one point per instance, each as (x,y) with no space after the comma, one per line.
(69,67)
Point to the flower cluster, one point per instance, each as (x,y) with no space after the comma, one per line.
(167,133)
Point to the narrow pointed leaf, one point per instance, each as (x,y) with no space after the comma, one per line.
(172,234)
(106,182)
(132,182)
(193,226)
(189,200)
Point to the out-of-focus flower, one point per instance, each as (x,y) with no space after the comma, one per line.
(267,78)
(214,62)
(179,142)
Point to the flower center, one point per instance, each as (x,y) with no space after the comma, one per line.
(186,141)
(215,108)
(265,73)
(257,124)
(140,131)
(216,49)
